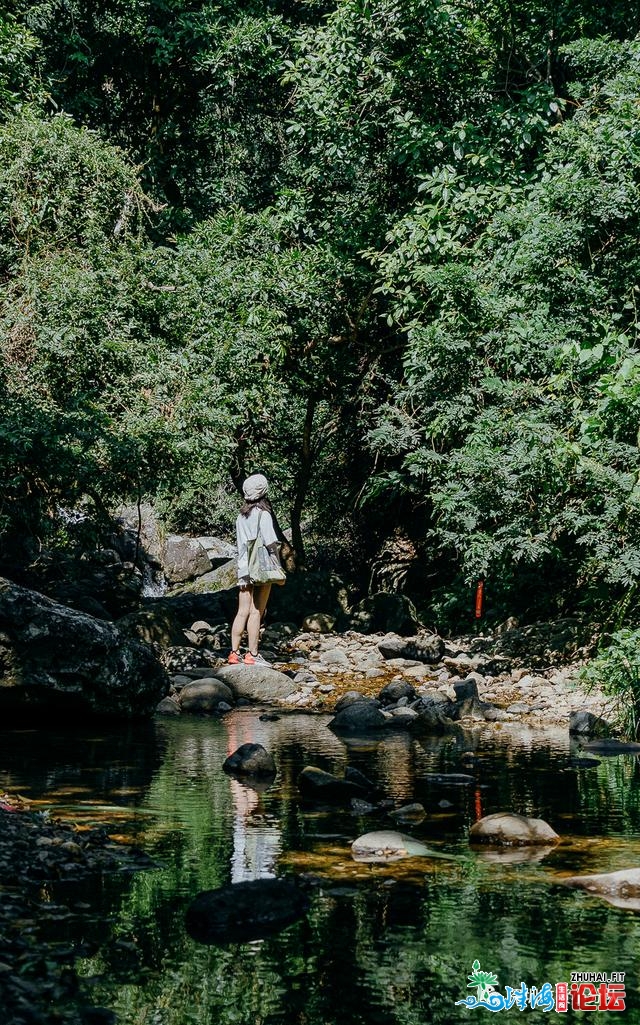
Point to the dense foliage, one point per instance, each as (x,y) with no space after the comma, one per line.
(384,250)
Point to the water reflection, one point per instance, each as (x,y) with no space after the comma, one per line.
(388,944)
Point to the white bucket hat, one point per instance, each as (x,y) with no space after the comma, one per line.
(255,487)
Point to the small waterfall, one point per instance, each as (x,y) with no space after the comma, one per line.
(154,584)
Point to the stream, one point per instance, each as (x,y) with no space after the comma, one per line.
(382,944)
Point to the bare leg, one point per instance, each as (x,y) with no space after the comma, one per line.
(259,599)
(239,624)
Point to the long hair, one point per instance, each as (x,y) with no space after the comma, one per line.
(263,503)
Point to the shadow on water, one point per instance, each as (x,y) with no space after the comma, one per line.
(380,943)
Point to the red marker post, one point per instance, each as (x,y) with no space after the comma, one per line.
(479,606)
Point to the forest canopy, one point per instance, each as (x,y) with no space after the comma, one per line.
(384,251)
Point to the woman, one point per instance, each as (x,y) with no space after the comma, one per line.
(256,514)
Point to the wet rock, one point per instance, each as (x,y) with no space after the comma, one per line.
(55,659)
(432,719)
(250,760)
(355,776)
(507,829)
(587,724)
(360,717)
(409,813)
(612,747)
(456,779)
(387,845)
(425,648)
(204,696)
(584,763)
(396,691)
(256,683)
(350,698)
(246,911)
(324,786)
(360,807)
(621,888)
(168,706)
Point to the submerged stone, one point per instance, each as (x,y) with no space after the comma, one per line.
(250,760)
(387,845)
(241,912)
(621,888)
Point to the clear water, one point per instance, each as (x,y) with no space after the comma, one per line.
(382,944)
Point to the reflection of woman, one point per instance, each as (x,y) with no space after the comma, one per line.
(256,515)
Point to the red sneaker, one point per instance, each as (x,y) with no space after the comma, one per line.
(234,658)
(255,660)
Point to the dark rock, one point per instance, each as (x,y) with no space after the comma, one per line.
(612,747)
(154,626)
(361,717)
(324,786)
(56,659)
(588,724)
(425,648)
(395,691)
(181,659)
(584,763)
(355,776)
(360,807)
(382,612)
(456,779)
(204,695)
(350,698)
(433,719)
(168,707)
(247,911)
(409,813)
(256,683)
(466,689)
(250,760)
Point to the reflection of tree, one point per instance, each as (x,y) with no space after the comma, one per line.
(376,951)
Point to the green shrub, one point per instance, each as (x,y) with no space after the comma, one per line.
(616,671)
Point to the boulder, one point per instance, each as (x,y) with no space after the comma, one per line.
(218,551)
(426,648)
(154,626)
(256,683)
(323,786)
(168,706)
(250,760)
(387,845)
(587,724)
(621,888)
(241,912)
(53,658)
(184,559)
(395,691)
(204,696)
(350,698)
(382,612)
(507,829)
(360,717)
